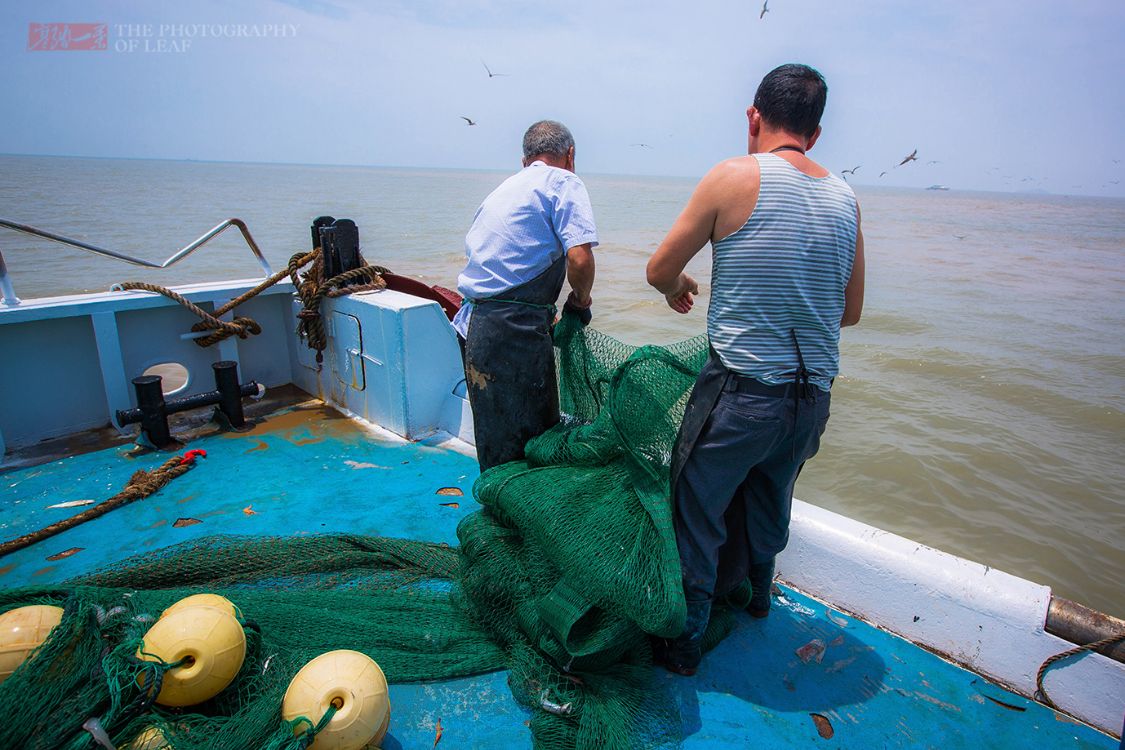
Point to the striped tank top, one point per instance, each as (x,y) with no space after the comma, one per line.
(783,274)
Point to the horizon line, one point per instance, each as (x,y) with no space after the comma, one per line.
(1036,191)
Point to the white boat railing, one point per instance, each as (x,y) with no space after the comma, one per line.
(7,292)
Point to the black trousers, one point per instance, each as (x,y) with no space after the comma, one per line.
(734,493)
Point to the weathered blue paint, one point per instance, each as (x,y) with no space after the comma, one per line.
(312,472)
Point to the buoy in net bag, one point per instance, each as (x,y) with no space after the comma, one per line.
(355,685)
(210,643)
(150,739)
(22,630)
(203,600)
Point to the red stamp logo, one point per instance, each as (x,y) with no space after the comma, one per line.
(43,37)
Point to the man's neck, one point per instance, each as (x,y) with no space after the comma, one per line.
(767,142)
(551,160)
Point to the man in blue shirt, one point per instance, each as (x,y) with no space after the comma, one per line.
(529,234)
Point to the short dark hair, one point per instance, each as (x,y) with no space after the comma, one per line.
(791,97)
(547,137)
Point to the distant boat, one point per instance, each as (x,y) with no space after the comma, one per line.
(938,187)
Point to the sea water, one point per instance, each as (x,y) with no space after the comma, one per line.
(981,403)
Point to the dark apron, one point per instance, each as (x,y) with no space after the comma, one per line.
(510,366)
(733,564)
(704,395)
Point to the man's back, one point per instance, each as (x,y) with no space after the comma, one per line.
(778,280)
(520,229)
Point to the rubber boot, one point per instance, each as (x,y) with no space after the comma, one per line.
(682,655)
(761,580)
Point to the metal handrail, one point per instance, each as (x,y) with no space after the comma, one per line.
(8,295)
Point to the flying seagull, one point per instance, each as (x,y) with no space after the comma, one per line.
(642,145)
(850,171)
(490,73)
(913,157)
(466,119)
(933,161)
(765,10)
(882,173)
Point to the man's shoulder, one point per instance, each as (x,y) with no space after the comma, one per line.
(736,166)
(742,170)
(736,175)
(560,178)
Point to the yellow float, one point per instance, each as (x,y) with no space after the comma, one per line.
(150,739)
(22,630)
(203,600)
(209,641)
(355,685)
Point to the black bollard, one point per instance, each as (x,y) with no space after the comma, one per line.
(230,392)
(154,412)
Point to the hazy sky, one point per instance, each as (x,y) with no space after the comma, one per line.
(1005,95)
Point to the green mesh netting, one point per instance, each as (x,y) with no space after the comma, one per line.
(571,562)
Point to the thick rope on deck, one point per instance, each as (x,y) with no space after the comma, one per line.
(140,485)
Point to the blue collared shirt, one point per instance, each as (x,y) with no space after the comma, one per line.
(520,229)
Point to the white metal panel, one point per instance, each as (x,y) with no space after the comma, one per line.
(983,618)
(68,360)
(50,381)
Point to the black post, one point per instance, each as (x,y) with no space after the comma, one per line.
(340,246)
(318,222)
(154,413)
(230,393)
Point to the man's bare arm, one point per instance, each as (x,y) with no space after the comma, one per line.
(853,292)
(692,230)
(580,273)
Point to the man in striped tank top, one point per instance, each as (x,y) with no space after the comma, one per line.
(787,274)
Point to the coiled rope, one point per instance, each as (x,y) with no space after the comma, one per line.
(311,288)
(312,291)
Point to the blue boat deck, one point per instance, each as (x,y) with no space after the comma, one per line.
(307,470)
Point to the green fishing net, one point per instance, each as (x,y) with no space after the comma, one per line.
(558,579)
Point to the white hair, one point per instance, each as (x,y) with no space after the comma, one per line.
(547,137)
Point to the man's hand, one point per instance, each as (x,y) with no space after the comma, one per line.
(681,299)
(579,306)
(581,302)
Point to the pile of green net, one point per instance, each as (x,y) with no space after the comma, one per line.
(560,576)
